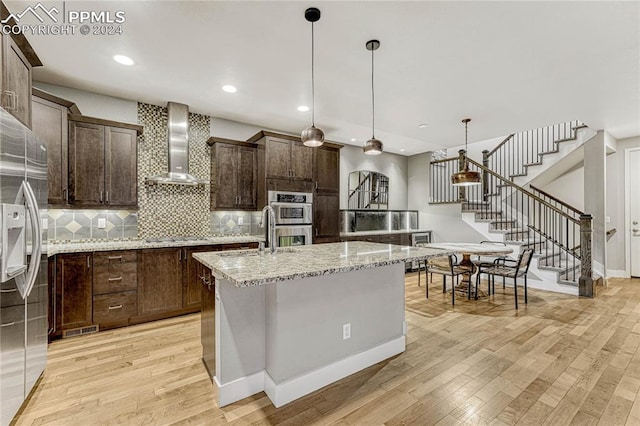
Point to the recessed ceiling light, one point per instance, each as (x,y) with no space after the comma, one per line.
(353,139)
(229,88)
(423,125)
(303,108)
(402,150)
(124,60)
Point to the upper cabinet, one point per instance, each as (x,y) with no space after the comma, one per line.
(102,163)
(285,157)
(234,174)
(17,60)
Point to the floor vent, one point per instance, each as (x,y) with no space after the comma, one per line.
(80,331)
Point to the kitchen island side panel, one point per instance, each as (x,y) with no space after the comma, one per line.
(240,337)
(305,318)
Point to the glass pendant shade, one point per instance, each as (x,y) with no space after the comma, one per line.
(312,136)
(373,147)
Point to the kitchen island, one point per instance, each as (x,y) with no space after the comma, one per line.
(292,322)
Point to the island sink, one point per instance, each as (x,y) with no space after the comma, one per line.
(278,319)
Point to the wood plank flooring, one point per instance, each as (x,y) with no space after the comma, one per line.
(559,360)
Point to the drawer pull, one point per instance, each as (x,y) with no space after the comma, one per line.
(9,324)
(115,257)
(115,279)
(111,308)
(9,291)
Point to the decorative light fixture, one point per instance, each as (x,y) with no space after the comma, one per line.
(373,146)
(312,136)
(465,177)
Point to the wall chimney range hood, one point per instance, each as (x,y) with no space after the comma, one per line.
(178,173)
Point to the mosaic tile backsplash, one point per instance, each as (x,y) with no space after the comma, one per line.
(235,222)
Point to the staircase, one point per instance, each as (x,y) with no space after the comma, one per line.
(506,207)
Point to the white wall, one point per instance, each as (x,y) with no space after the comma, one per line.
(569,187)
(94,104)
(352,158)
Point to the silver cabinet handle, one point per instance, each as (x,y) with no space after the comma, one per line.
(9,291)
(115,279)
(107,197)
(64,195)
(111,308)
(115,257)
(88,263)
(9,324)
(316,231)
(101,196)
(316,185)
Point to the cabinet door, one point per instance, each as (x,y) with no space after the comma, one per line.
(193,284)
(49,123)
(247,178)
(278,158)
(120,167)
(86,163)
(223,182)
(301,161)
(326,217)
(159,281)
(326,169)
(16,81)
(73,291)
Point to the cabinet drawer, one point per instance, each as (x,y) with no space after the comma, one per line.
(115,307)
(114,271)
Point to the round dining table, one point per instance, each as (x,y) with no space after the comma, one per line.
(467,250)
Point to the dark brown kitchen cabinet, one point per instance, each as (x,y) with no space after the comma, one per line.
(73,288)
(159,281)
(115,284)
(102,163)
(49,123)
(16,81)
(234,174)
(285,157)
(192,275)
(326,200)
(207,287)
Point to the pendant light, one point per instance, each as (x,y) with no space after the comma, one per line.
(312,136)
(465,177)
(373,146)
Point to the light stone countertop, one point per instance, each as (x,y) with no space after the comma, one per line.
(246,268)
(53,248)
(397,231)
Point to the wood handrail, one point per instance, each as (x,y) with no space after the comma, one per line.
(500,144)
(546,194)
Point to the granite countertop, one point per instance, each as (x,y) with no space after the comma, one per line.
(397,231)
(52,248)
(246,268)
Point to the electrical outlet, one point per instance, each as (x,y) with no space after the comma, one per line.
(346,331)
(240,221)
(102,223)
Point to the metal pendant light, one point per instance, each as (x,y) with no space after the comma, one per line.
(465,177)
(312,136)
(373,146)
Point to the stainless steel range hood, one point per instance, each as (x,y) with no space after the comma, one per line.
(178,173)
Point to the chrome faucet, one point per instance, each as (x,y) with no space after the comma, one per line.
(271,236)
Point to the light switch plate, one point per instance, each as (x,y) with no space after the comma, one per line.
(102,223)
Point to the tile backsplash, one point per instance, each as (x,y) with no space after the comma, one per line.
(84,224)
(235,222)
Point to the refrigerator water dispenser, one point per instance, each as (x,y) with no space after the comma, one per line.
(14,254)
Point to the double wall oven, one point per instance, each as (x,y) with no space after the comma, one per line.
(294,217)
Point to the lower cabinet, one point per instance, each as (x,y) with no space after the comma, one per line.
(73,282)
(208,318)
(117,288)
(159,281)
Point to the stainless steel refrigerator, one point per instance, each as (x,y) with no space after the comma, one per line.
(23,272)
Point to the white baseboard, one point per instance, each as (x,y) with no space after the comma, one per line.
(285,392)
(240,388)
(617,273)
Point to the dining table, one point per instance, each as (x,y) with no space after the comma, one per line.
(467,250)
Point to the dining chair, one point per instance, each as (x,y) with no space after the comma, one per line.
(508,268)
(447,266)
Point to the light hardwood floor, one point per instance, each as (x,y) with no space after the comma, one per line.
(559,360)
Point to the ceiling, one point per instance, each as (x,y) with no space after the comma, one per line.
(510,66)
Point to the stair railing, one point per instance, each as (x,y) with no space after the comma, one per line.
(519,150)
(562,205)
(562,240)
